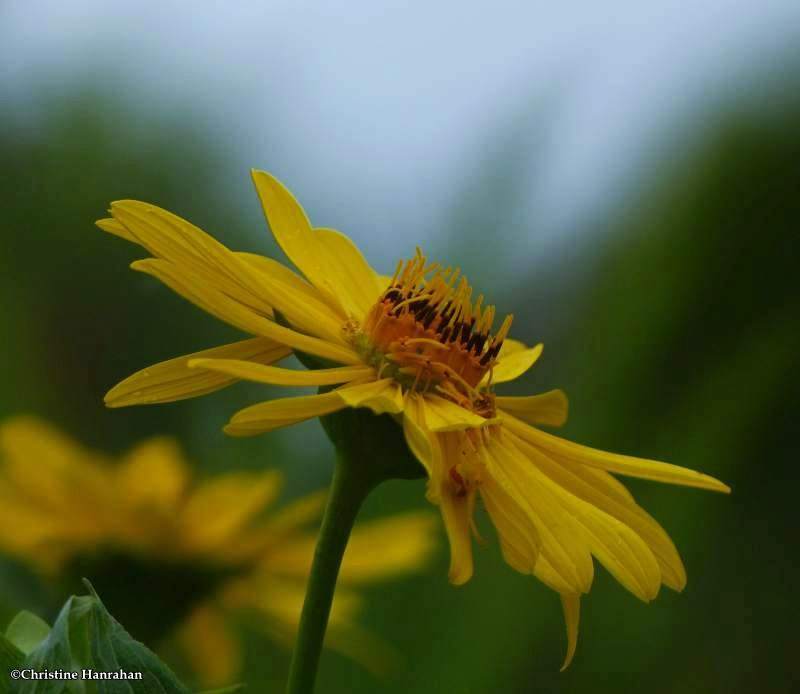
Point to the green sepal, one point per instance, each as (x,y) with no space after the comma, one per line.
(367,439)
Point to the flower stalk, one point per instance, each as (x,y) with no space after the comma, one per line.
(349,487)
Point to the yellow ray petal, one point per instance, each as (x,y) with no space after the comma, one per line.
(584,483)
(282,377)
(349,271)
(626,556)
(230,311)
(571,604)
(217,511)
(548,408)
(274,414)
(381,396)
(513,365)
(614,462)
(329,259)
(444,415)
(419,439)
(173,380)
(510,346)
(519,540)
(153,474)
(563,541)
(292,230)
(112,226)
(300,302)
(457,516)
(179,242)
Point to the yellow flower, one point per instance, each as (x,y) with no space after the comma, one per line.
(61,503)
(419,346)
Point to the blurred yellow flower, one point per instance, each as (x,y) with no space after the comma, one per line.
(60,502)
(419,346)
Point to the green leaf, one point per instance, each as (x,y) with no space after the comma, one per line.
(26,631)
(85,637)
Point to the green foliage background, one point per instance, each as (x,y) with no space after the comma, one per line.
(674,328)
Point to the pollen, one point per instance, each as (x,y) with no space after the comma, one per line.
(427,332)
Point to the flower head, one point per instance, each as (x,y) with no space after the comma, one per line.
(419,346)
(143,521)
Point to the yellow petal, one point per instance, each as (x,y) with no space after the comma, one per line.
(613,462)
(513,365)
(153,474)
(217,511)
(419,439)
(274,414)
(563,541)
(349,271)
(282,377)
(112,226)
(381,396)
(199,255)
(300,302)
(173,380)
(223,307)
(444,415)
(571,604)
(211,647)
(519,540)
(329,260)
(587,484)
(626,556)
(457,516)
(548,408)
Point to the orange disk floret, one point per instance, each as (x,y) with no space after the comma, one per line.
(426,326)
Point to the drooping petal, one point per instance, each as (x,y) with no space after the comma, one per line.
(329,260)
(571,604)
(586,484)
(173,380)
(614,462)
(457,516)
(228,310)
(519,539)
(513,365)
(273,375)
(381,396)
(444,415)
(274,414)
(563,541)
(626,556)
(549,409)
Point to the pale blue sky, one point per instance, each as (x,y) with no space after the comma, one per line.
(386,109)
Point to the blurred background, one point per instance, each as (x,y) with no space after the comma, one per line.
(623,177)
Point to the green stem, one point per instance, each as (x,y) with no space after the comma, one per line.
(349,488)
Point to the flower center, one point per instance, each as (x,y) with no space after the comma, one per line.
(426,332)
